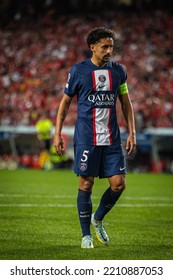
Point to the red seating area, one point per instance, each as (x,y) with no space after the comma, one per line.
(35,58)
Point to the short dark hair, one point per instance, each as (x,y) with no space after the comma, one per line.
(98,33)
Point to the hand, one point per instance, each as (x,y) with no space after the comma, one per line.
(58,144)
(131,144)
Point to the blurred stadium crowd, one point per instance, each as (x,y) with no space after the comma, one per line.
(36,53)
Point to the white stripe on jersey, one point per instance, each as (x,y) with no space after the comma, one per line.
(101,123)
(102,80)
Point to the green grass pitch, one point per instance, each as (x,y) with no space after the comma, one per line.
(39,221)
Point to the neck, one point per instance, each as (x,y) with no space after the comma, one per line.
(97,62)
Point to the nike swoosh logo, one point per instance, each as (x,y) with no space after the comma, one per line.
(101,86)
(84,212)
(122,168)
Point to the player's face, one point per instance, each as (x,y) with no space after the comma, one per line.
(102,51)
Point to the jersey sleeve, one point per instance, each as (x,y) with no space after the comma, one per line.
(72,83)
(123,89)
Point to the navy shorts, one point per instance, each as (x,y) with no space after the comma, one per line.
(99,161)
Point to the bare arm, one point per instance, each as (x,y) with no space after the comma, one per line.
(61,115)
(129,117)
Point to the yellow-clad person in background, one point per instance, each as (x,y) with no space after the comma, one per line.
(44,129)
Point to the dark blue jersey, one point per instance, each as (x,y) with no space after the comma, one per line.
(97,89)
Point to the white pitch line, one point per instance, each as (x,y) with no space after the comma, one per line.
(94,197)
(73,205)
(38,205)
(149,198)
(37,195)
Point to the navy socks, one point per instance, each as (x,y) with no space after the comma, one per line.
(84,205)
(108,200)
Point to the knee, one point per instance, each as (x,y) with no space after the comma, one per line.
(120,185)
(86,184)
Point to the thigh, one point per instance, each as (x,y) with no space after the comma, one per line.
(87,160)
(113,161)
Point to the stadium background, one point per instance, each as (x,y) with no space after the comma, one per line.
(40,40)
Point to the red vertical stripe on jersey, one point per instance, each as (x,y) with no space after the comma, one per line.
(109,126)
(94,125)
(94,81)
(110,79)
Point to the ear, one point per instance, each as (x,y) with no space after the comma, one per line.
(92,47)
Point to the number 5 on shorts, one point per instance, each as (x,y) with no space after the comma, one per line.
(85,156)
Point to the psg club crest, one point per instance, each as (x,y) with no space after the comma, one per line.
(83,166)
(102,78)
